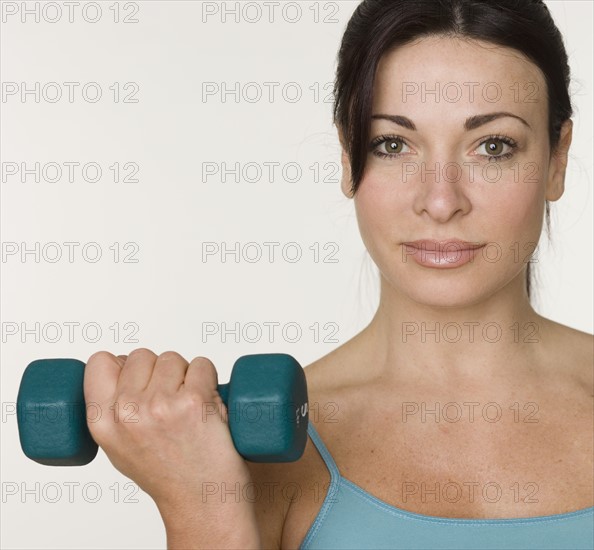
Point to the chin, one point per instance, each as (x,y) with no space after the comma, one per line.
(446,298)
(440,288)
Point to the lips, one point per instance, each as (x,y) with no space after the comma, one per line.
(449,245)
(445,254)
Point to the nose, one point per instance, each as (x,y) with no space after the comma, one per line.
(440,190)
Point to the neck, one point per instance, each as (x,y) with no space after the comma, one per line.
(497,341)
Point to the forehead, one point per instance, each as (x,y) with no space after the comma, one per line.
(457,72)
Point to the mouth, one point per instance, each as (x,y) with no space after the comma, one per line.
(445,254)
(447,245)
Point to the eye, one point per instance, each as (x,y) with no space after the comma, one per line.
(387,146)
(498,148)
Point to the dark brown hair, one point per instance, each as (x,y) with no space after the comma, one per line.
(378,26)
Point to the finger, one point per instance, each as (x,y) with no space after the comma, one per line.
(101,375)
(136,372)
(202,377)
(168,373)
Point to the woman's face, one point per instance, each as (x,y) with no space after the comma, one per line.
(440,171)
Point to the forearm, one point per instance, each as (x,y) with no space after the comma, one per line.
(230,527)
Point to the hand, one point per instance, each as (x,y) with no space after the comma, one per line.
(153,428)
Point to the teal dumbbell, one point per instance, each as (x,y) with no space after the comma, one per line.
(266,400)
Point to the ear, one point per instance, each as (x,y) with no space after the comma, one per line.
(346,182)
(558,163)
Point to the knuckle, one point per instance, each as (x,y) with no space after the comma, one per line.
(99,357)
(192,402)
(158,409)
(140,352)
(169,356)
(203,362)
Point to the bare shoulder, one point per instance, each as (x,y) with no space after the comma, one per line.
(573,350)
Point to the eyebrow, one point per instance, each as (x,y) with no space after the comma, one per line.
(469,124)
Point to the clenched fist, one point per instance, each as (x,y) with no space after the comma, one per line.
(153,430)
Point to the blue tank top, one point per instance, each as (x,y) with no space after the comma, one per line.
(353,518)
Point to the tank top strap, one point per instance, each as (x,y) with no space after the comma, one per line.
(331,497)
(325,453)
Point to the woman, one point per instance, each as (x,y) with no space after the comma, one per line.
(459,417)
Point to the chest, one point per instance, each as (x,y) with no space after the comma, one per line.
(499,469)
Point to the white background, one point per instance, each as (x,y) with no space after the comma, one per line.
(170,292)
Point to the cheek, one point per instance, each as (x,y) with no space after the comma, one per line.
(514,208)
(377,213)
(384,217)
